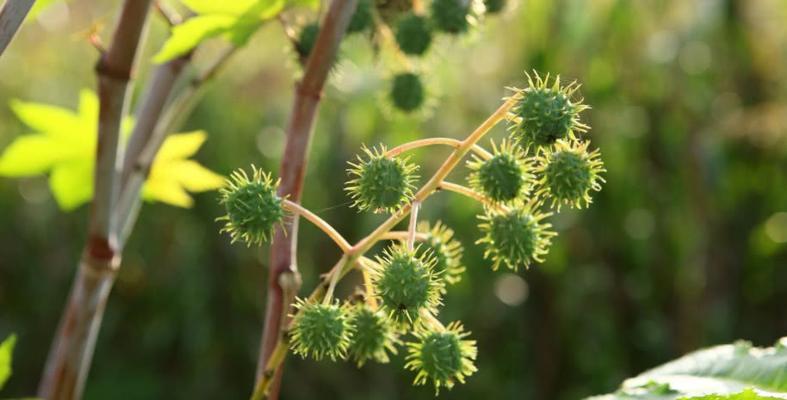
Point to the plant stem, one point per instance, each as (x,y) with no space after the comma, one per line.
(69,359)
(411,227)
(12,15)
(357,251)
(329,230)
(415,144)
(467,192)
(293,165)
(401,235)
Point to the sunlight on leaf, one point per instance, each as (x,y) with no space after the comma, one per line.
(63,144)
(189,34)
(6,350)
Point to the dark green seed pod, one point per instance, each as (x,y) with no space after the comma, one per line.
(390,10)
(362,19)
(406,284)
(450,16)
(515,236)
(505,176)
(443,356)
(546,112)
(413,34)
(494,6)
(306,41)
(407,92)
(568,173)
(320,330)
(252,205)
(373,336)
(381,183)
(447,252)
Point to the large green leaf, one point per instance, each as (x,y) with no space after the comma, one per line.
(6,349)
(737,371)
(189,34)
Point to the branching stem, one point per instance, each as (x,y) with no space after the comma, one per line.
(444,141)
(329,230)
(413,223)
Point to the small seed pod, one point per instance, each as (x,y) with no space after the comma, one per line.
(405,284)
(252,205)
(407,92)
(306,40)
(442,356)
(362,19)
(515,236)
(504,177)
(321,330)
(447,252)
(494,6)
(450,16)
(546,112)
(413,34)
(381,183)
(568,173)
(373,336)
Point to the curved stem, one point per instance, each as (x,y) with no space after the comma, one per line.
(432,320)
(402,235)
(367,282)
(296,208)
(413,222)
(467,192)
(438,141)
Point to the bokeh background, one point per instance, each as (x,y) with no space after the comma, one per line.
(686,246)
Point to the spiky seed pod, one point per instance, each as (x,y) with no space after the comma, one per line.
(447,252)
(450,16)
(362,19)
(515,236)
(306,40)
(321,330)
(407,92)
(504,177)
(547,111)
(252,205)
(413,34)
(405,284)
(442,356)
(380,183)
(568,173)
(374,336)
(494,6)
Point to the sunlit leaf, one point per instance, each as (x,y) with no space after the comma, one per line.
(728,370)
(231,7)
(72,183)
(38,7)
(167,191)
(181,145)
(747,394)
(192,32)
(30,155)
(6,351)
(193,176)
(41,118)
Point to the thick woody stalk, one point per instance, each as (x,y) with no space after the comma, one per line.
(293,165)
(69,359)
(12,15)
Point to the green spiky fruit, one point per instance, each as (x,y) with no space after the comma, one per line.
(407,92)
(320,330)
(494,6)
(306,41)
(546,112)
(447,252)
(362,19)
(380,183)
(505,176)
(413,34)
(569,172)
(252,205)
(450,16)
(373,336)
(406,284)
(442,356)
(515,236)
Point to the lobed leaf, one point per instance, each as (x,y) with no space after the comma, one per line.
(6,350)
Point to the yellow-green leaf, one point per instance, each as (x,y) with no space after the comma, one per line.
(231,7)
(45,118)
(181,145)
(167,191)
(72,183)
(192,176)
(192,32)
(31,155)
(6,350)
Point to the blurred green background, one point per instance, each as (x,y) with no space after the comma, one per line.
(686,245)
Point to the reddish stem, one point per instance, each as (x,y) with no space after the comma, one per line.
(299,132)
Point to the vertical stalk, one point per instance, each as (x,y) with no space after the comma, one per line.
(69,359)
(293,165)
(12,15)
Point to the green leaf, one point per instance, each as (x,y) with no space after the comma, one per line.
(747,394)
(38,7)
(230,7)
(6,350)
(738,371)
(30,155)
(72,184)
(47,118)
(193,31)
